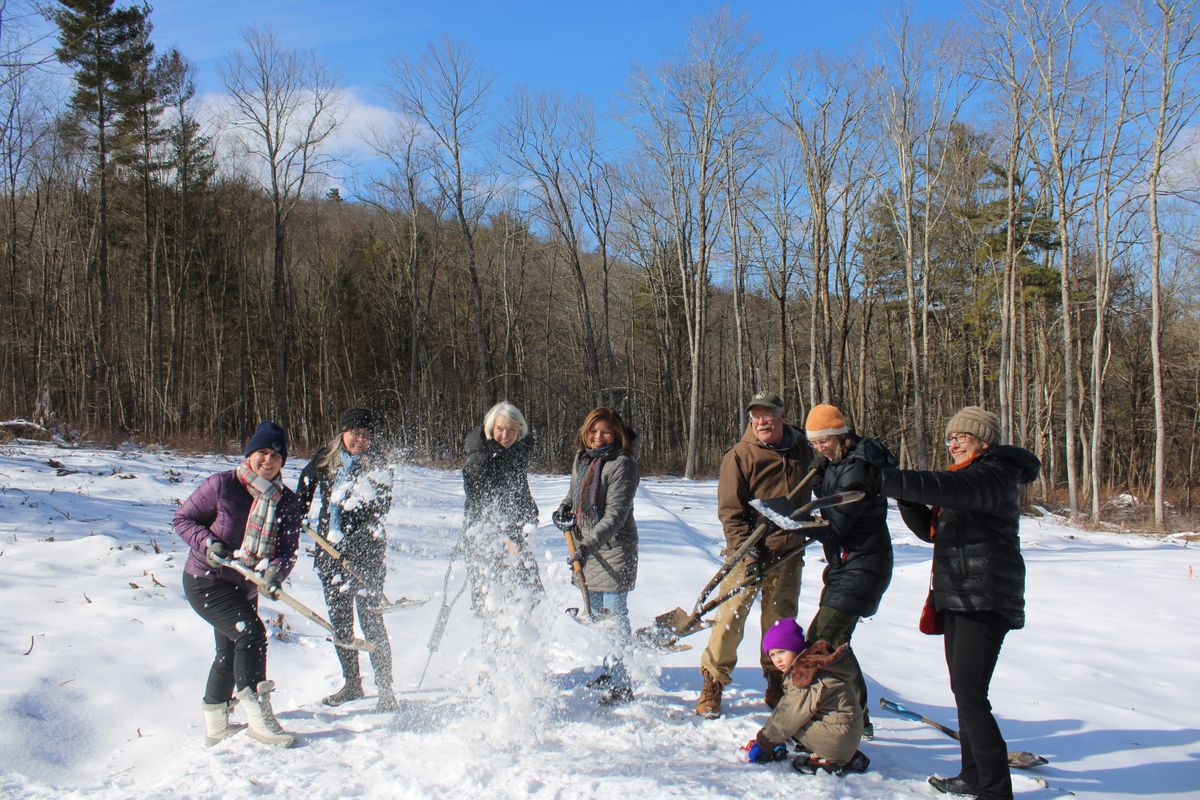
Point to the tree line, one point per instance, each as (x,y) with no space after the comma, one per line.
(1000,209)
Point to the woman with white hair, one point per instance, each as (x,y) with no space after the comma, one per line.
(500,512)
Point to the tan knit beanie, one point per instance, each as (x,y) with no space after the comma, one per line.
(976,421)
(825,420)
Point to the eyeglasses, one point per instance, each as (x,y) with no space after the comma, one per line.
(958,438)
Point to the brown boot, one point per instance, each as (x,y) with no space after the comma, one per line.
(774,691)
(709,704)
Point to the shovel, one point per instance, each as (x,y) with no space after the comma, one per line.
(443,617)
(384,605)
(677,622)
(1021,759)
(569,529)
(252,576)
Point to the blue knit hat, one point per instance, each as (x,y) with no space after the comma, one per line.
(267,436)
(785,634)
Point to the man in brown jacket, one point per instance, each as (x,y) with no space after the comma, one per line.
(769,461)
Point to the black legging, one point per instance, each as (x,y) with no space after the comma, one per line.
(973,643)
(241,639)
(344,591)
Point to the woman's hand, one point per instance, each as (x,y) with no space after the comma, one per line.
(215,552)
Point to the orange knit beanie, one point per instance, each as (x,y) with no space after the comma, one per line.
(825,420)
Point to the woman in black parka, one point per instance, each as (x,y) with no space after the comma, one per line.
(500,513)
(972,513)
(356,495)
(858,547)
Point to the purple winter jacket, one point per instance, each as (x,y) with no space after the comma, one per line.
(219,508)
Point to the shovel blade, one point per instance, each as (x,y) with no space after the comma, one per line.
(680,622)
(355,644)
(1023,759)
(403,602)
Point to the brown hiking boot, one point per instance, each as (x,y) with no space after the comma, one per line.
(709,704)
(774,691)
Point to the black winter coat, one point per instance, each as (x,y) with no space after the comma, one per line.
(362,522)
(496,483)
(858,547)
(977,563)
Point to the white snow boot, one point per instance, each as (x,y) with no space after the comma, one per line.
(217,726)
(263,725)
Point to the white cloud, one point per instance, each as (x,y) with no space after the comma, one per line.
(349,144)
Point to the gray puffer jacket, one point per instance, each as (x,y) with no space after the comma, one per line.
(608,533)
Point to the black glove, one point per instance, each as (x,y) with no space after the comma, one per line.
(877,455)
(580,555)
(216,549)
(823,534)
(819,462)
(754,567)
(564,515)
(872,482)
(270,584)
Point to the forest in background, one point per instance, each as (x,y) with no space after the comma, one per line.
(1001,210)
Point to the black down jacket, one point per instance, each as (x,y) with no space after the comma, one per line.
(977,563)
(496,483)
(858,547)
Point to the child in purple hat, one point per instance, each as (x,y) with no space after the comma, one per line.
(819,710)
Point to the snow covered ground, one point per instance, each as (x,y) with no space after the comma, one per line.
(103,662)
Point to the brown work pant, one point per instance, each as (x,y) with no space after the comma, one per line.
(780,591)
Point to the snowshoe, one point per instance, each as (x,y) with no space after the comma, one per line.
(809,764)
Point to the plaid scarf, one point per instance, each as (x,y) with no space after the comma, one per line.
(261,524)
(587,481)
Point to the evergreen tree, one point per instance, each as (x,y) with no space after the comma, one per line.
(102,43)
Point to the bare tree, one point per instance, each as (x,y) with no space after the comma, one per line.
(1114,209)
(825,103)
(1052,33)
(689,110)
(539,141)
(920,103)
(447,90)
(285,103)
(398,195)
(1169,39)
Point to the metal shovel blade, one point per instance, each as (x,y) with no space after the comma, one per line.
(396,605)
(680,622)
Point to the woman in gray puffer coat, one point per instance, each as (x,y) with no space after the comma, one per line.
(604,480)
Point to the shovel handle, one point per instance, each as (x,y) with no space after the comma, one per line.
(899,710)
(755,581)
(755,536)
(569,535)
(281,595)
(358,574)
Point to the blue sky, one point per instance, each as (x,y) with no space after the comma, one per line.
(570,45)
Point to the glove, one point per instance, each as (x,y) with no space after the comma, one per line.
(819,462)
(580,555)
(756,560)
(824,534)
(216,549)
(564,516)
(757,754)
(878,456)
(270,584)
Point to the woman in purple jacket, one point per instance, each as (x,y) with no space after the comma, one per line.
(245,514)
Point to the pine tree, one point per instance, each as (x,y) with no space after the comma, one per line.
(101,43)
